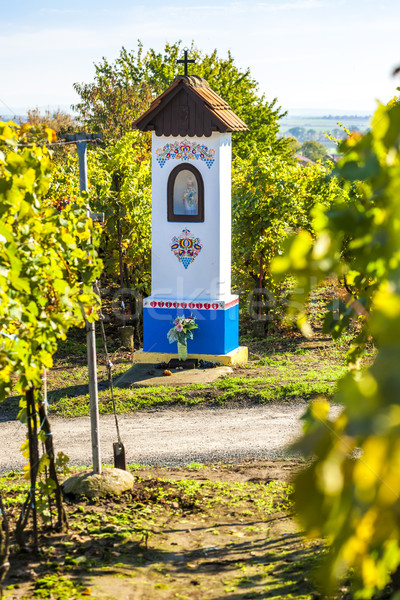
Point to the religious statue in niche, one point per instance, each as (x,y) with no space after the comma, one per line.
(186,198)
(185,194)
(190,197)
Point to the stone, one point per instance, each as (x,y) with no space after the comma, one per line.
(139,376)
(110,482)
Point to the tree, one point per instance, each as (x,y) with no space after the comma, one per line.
(272,198)
(58,120)
(313,150)
(350,492)
(113,101)
(294,145)
(123,89)
(297,132)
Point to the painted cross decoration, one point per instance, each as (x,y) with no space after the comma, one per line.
(186,247)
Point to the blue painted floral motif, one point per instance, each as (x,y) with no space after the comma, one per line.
(186,247)
(185,150)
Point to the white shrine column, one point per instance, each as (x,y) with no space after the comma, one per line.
(208,276)
(191,222)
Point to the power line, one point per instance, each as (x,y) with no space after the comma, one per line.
(59,143)
(13,112)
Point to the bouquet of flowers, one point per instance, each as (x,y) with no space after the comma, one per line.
(182,330)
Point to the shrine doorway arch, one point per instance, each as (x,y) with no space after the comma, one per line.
(185,195)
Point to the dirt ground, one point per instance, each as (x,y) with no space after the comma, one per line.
(219,527)
(200,532)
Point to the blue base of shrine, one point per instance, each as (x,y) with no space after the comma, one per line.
(218,331)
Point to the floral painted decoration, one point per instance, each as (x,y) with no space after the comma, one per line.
(182,330)
(186,247)
(185,150)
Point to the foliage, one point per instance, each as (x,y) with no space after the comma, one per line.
(350,493)
(58,120)
(272,198)
(120,186)
(294,145)
(47,263)
(64,181)
(297,132)
(313,150)
(113,101)
(127,202)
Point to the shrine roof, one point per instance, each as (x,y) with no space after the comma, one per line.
(189,107)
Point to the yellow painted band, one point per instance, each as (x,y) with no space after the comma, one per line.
(236,357)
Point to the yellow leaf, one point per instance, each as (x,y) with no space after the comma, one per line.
(320,409)
(367,385)
(387,303)
(24,445)
(368,467)
(321,246)
(51,134)
(299,250)
(24,128)
(330,477)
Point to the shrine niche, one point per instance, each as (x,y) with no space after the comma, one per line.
(185,194)
(191,222)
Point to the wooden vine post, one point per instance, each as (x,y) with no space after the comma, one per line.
(4,545)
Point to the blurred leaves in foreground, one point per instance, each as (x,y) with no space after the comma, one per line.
(350,494)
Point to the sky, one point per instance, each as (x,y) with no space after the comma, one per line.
(321,56)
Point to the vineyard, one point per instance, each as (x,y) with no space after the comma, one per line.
(315,263)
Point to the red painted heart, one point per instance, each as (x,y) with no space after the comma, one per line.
(198,305)
(184,305)
(207,306)
(191,305)
(153,304)
(215,306)
(160,304)
(175,304)
(168,304)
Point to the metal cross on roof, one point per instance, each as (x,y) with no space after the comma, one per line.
(186,60)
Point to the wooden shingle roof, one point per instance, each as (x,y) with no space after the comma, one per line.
(189,107)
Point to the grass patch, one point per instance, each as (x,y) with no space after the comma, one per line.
(283,367)
(277,380)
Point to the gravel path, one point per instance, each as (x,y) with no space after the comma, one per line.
(170,436)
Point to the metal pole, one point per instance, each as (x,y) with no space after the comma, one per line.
(117,185)
(90,328)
